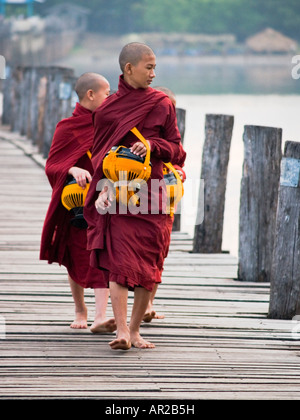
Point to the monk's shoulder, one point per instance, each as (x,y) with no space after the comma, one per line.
(63,130)
(164,106)
(65,122)
(164,99)
(167,103)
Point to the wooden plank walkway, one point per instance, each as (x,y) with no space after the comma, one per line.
(214,343)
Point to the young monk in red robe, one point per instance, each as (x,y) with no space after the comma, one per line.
(129,247)
(61,241)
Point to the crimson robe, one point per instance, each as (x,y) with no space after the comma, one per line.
(61,242)
(130,248)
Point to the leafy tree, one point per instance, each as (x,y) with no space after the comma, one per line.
(240,17)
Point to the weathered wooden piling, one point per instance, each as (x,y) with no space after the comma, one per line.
(15,98)
(25,100)
(7,100)
(258,201)
(218,132)
(41,92)
(38,98)
(285,272)
(60,83)
(180,114)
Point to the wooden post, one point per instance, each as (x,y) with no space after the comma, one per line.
(180,114)
(37,98)
(41,104)
(40,97)
(25,100)
(31,127)
(7,100)
(60,83)
(258,201)
(11,97)
(215,157)
(16,89)
(285,272)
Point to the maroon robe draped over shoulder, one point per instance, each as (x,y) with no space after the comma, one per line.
(130,248)
(60,241)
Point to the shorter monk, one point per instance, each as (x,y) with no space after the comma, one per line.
(63,242)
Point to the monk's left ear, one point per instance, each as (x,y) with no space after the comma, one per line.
(90,94)
(128,68)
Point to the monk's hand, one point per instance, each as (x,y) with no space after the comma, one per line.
(139,148)
(81,176)
(105,198)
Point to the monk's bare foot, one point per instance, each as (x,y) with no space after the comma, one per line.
(139,342)
(80,321)
(103,327)
(158,316)
(122,340)
(149,316)
(120,344)
(152,315)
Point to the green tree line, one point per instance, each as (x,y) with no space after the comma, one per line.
(239,17)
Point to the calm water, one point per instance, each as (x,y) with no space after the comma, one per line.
(243,74)
(210,75)
(238,75)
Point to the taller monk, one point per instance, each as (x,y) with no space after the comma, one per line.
(129,247)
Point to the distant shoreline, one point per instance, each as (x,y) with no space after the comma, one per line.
(106,59)
(197,74)
(95,48)
(241,59)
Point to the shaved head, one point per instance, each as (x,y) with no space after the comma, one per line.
(168,91)
(87,81)
(132,53)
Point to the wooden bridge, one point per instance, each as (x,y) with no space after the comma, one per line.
(214,343)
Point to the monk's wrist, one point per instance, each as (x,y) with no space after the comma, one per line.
(106,183)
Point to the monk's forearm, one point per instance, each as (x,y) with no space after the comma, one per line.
(168,151)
